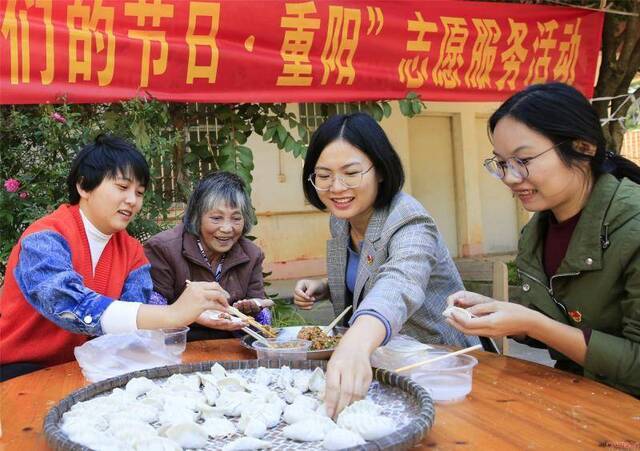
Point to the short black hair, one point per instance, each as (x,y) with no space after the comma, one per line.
(214,189)
(363,132)
(107,156)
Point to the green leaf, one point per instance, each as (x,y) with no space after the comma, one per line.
(282,133)
(268,135)
(416,107)
(405,108)
(386,108)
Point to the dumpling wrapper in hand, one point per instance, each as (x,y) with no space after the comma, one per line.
(463,312)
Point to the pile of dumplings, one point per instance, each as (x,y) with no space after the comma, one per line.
(186,411)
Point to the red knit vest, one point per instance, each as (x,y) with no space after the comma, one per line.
(26,335)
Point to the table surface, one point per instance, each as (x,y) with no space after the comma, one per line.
(514,404)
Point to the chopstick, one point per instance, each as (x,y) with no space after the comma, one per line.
(257,336)
(435,359)
(234,311)
(333,323)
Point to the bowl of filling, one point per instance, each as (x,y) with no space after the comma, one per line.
(321,346)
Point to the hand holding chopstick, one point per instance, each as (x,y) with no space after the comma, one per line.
(435,359)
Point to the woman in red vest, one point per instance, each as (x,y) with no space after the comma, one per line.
(77,273)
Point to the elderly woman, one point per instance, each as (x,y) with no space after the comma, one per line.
(210,245)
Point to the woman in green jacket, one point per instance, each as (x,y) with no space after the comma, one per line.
(579,256)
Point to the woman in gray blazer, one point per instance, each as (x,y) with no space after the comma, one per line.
(386,256)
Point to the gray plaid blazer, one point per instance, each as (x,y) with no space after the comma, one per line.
(405,272)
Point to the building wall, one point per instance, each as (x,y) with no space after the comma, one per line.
(442,152)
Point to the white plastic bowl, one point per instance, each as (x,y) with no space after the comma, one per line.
(175,339)
(295,350)
(448,380)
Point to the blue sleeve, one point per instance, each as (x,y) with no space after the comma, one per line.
(49,283)
(382,319)
(138,286)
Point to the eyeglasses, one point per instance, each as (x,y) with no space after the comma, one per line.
(323,181)
(517,166)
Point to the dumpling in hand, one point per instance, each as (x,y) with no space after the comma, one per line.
(246,443)
(340,439)
(462,312)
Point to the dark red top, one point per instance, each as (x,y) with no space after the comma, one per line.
(557,242)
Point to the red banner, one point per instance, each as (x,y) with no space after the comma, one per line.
(279,51)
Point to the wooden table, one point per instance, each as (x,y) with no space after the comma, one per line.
(514,405)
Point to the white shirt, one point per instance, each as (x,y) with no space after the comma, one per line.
(120,317)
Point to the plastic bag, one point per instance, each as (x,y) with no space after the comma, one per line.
(111,355)
(400,351)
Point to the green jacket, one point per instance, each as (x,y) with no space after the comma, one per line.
(597,284)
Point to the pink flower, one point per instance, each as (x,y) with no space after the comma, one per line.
(58,117)
(12,185)
(24,195)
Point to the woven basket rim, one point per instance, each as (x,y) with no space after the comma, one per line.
(404,438)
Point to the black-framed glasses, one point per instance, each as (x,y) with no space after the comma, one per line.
(517,166)
(323,181)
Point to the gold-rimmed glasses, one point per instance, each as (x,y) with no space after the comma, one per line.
(323,180)
(517,166)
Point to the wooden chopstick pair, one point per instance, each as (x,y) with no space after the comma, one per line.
(266,332)
(435,359)
(257,336)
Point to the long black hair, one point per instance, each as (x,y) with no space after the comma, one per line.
(562,114)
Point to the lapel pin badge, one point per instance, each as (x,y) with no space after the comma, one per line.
(369,259)
(575,315)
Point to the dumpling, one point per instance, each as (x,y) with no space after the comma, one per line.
(262,376)
(246,443)
(363,406)
(232,403)
(219,427)
(285,378)
(144,411)
(255,428)
(177,415)
(291,393)
(317,381)
(191,382)
(370,427)
(129,433)
(297,412)
(306,401)
(301,380)
(155,444)
(461,311)
(218,371)
(309,430)
(269,414)
(340,439)
(139,385)
(233,383)
(211,393)
(187,435)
